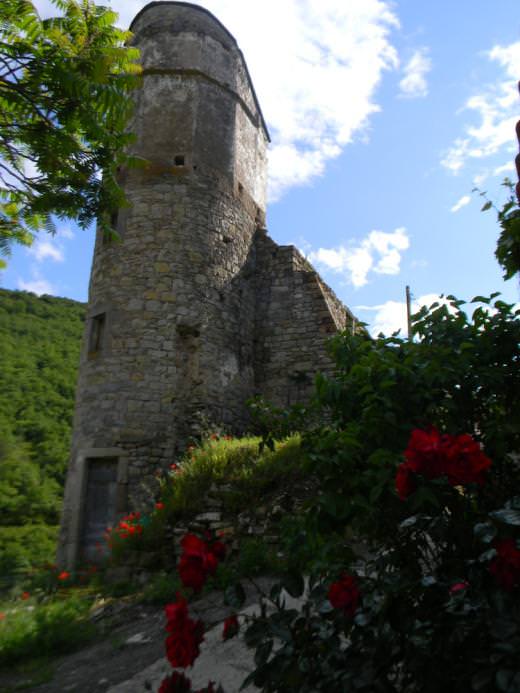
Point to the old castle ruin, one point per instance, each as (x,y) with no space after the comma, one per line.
(195,309)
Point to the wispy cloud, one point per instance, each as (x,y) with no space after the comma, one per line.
(379,252)
(43,249)
(315,69)
(37,285)
(414,84)
(464,200)
(65,232)
(496,109)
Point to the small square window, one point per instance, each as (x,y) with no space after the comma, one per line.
(97,333)
(179,160)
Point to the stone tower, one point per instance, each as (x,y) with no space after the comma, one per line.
(195,309)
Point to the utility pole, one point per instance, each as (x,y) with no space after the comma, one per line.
(409,312)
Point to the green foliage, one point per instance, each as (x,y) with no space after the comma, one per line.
(39,352)
(48,628)
(40,343)
(437,574)
(237,465)
(22,547)
(508,245)
(461,374)
(161,588)
(26,495)
(277,423)
(65,86)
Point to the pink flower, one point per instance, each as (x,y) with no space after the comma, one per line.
(458,587)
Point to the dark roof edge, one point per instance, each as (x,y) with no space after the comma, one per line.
(225,29)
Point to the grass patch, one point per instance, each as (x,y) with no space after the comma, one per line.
(34,672)
(162,588)
(237,467)
(36,630)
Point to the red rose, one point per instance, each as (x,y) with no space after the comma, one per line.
(404,481)
(175,683)
(182,645)
(159,506)
(191,572)
(424,454)
(231,627)
(344,594)
(433,455)
(63,576)
(505,567)
(465,462)
(198,560)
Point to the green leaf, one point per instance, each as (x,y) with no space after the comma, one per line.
(294,584)
(486,206)
(235,596)
(485,532)
(481,679)
(262,653)
(503,679)
(507,516)
(256,633)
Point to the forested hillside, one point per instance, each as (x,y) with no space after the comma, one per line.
(39,353)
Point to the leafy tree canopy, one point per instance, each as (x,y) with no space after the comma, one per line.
(65,86)
(39,352)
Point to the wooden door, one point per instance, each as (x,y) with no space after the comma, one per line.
(100,509)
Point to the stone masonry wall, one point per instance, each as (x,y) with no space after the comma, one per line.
(295,314)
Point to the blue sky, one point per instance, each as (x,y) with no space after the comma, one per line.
(384,116)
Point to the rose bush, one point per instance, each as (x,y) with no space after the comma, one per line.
(415,464)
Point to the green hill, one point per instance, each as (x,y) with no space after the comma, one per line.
(40,340)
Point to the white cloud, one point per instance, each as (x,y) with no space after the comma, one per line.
(391,315)
(414,84)
(65,232)
(43,248)
(38,285)
(379,252)
(315,65)
(505,168)
(465,200)
(496,109)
